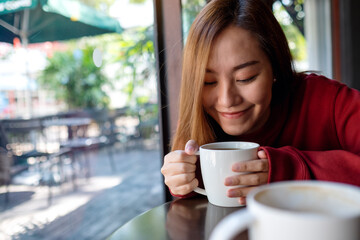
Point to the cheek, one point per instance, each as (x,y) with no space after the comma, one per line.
(207,99)
(260,95)
(265,97)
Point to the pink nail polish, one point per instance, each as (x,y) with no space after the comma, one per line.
(189,149)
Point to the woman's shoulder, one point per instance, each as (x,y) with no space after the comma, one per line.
(312,88)
(318,84)
(319,80)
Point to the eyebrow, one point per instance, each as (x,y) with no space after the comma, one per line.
(238,67)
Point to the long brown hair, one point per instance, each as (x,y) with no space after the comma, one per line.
(251,15)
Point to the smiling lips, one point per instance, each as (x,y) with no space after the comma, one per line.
(234,115)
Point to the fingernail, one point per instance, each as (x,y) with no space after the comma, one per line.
(190,148)
(228,181)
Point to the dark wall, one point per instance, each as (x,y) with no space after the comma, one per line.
(350,42)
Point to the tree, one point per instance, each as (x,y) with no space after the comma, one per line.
(73,77)
(295,37)
(133,50)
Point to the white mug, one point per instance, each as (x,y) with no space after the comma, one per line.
(216,160)
(296,210)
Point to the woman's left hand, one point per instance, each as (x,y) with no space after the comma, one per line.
(257,174)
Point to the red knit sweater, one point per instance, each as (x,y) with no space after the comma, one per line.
(317,135)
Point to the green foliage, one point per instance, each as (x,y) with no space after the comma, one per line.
(297,42)
(295,9)
(74,78)
(137,1)
(190,8)
(296,39)
(135,51)
(102,5)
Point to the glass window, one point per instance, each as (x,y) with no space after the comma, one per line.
(79,136)
(290,15)
(190,8)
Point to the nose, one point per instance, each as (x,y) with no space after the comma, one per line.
(229,95)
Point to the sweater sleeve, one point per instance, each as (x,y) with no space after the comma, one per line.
(289,163)
(337,159)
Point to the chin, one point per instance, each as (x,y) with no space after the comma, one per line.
(234,132)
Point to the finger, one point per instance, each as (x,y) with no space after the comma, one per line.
(191,147)
(179,156)
(178,168)
(179,180)
(186,188)
(262,154)
(252,179)
(239,192)
(242,200)
(259,165)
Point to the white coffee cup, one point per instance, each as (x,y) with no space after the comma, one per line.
(296,210)
(216,160)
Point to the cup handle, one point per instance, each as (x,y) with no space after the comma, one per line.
(200,191)
(197,189)
(232,225)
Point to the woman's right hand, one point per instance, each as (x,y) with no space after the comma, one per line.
(179,169)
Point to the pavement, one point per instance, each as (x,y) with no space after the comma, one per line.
(97,207)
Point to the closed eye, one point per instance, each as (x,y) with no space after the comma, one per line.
(247,80)
(210,83)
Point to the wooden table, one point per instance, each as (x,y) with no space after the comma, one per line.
(181,219)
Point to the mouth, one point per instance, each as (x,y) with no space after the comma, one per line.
(234,115)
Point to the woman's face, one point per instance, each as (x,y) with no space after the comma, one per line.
(238,82)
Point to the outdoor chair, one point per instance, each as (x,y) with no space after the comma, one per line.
(77,140)
(5,171)
(22,156)
(54,172)
(108,134)
(21,137)
(20,152)
(148,127)
(48,171)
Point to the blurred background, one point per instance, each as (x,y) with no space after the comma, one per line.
(88,102)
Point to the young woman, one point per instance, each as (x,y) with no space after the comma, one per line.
(239,84)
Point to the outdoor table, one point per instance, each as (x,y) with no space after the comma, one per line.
(72,121)
(68,122)
(192,218)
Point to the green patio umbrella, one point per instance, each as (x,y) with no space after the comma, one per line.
(35,21)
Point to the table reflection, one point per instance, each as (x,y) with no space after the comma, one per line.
(195,219)
(183,219)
